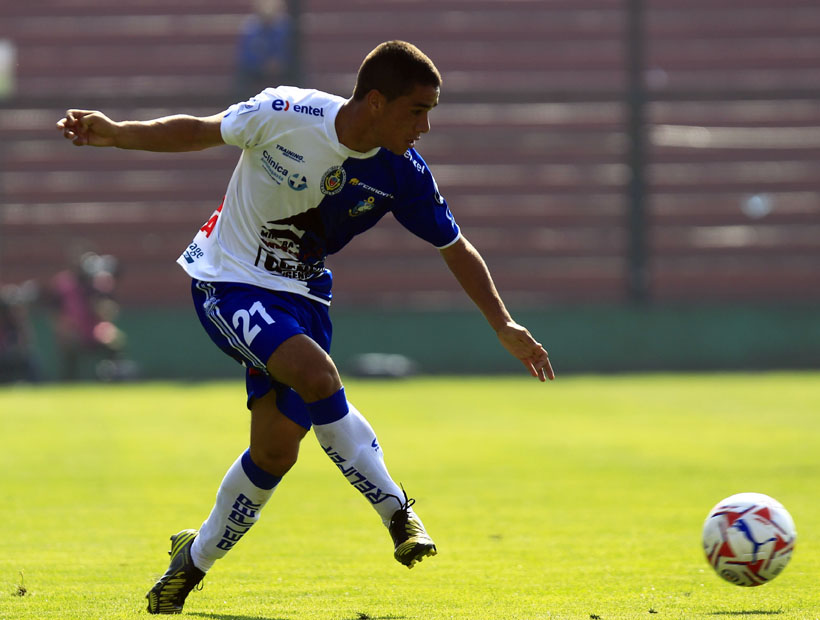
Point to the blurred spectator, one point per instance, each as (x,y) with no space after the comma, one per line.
(264,49)
(18,360)
(85,311)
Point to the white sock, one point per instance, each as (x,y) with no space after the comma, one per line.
(237,507)
(351,443)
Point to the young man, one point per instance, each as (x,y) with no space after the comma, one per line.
(315,170)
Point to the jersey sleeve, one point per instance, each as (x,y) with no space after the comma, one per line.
(247,124)
(422,209)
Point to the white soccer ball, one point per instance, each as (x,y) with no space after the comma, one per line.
(749,538)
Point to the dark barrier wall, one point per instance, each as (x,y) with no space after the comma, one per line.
(169,343)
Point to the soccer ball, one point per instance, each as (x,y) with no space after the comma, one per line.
(749,538)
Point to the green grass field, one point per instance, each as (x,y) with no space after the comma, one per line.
(579,499)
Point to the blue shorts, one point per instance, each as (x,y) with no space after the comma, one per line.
(249,323)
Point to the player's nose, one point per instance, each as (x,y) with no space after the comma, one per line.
(423,125)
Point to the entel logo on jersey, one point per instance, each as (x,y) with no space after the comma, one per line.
(283,105)
(280,105)
(415,163)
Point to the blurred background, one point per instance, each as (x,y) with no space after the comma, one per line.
(642,177)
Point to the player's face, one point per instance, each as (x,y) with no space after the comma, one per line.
(404,119)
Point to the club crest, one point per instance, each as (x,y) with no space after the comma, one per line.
(333,180)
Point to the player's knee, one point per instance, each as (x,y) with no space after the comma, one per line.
(303,365)
(319,384)
(275,461)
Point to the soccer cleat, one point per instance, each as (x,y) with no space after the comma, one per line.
(411,542)
(168,594)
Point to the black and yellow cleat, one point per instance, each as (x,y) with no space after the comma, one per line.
(411,542)
(168,594)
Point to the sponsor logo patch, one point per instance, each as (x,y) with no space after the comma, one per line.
(283,105)
(420,168)
(290,154)
(252,105)
(275,170)
(280,105)
(297,181)
(362,207)
(370,188)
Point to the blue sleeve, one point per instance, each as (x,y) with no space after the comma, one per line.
(421,209)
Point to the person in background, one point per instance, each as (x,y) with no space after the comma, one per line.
(263,56)
(84,309)
(18,358)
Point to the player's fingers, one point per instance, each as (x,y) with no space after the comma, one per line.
(543,366)
(540,369)
(78,119)
(77,138)
(71,134)
(67,122)
(73,114)
(531,367)
(66,125)
(75,126)
(548,371)
(71,117)
(68,133)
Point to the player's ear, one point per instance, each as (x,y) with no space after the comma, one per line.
(375,100)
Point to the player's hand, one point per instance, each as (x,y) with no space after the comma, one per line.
(87,128)
(520,343)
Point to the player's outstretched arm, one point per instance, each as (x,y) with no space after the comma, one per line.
(168,134)
(471,272)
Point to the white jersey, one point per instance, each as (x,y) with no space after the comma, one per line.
(297,194)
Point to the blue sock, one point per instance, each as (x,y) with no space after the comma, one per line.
(329,409)
(256,474)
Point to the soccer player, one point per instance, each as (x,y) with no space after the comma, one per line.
(315,170)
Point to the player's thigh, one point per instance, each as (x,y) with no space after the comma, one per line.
(249,323)
(285,335)
(302,364)
(275,438)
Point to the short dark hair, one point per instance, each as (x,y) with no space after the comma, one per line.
(395,68)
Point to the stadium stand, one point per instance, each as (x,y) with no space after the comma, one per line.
(529,144)
(734,149)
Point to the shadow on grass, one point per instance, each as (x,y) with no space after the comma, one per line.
(751,612)
(359,616)
(230,616)
(363,616)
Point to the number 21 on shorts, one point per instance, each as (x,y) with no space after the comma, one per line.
(243,317)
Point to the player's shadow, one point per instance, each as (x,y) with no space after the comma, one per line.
(230,616)
(363,616)
(753,612)
(360,616)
